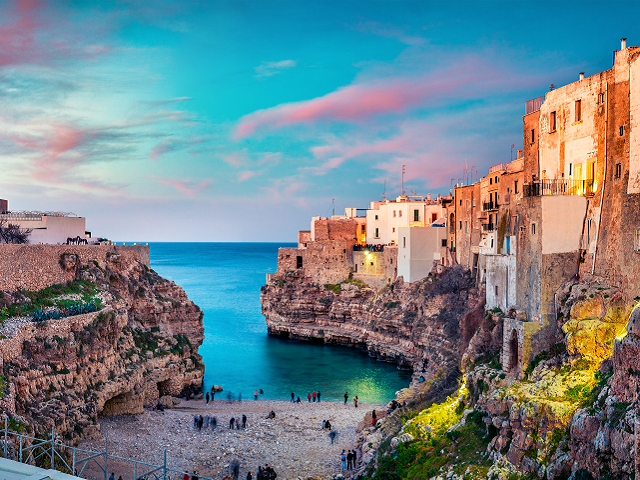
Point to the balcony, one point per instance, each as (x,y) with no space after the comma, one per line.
(488,227)
(487,206)
(532,105)
(558,187)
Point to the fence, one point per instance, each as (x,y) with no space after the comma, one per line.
(75,461)
(558,187)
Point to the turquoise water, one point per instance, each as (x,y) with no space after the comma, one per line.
(224,280)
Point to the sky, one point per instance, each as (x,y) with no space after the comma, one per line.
(240,120)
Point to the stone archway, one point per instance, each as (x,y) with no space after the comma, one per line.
(514,352)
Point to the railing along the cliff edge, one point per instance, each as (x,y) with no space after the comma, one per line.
(47,448)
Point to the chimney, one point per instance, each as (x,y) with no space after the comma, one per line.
(581,75)
(623,43)
(428,196)
(519,153)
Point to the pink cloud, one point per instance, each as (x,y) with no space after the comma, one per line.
(246,175)
(37,34)
(361,102)
(186,187)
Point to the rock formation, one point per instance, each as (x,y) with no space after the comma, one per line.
(141,346)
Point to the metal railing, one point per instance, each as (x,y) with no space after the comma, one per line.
(558,187)
(499,167)
(488,227)
(74,461)
(486,206)
(531,106)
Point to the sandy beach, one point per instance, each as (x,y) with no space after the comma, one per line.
(293,443)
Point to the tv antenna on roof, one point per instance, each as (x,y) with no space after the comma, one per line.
(404,169)
(384,192)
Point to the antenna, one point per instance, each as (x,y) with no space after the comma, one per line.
(512,145)
(404,169)
(384,192)
(333,207)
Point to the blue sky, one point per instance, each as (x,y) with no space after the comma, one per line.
(239,120)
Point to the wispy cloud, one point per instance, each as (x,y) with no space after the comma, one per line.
(269,69)
(360,102)
(189,188)
(388,31)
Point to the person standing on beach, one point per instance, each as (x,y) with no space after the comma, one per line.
(244,421)
(293,397)
(355,401)
(255,394)
(332,436)
(346,397)
(373,418)
(112,477)
(309,397)
(261,393)
(186,476)
(314,396)
(207,397)
(249,476)
(231,423)
(349,460)
(343,460)
(318,396)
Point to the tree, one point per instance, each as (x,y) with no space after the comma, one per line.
(11,233)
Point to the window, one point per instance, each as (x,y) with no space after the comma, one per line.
(434,217)
(468,205)
(533,135)
(570,165)
(492,242)
(490,181)
(497,179)
(460,202)
(601,98)
(533,228)
(460,224)
(621,131)
(394,213)
(399,213)
(298,261)
(404,242)
(377,233)
(515,187)
(444,242)
(618,170)
(465,227)
(552,122)
(363,227)
(416,215)
(496,290)
(393,230)
(578,111)
(376,217)
(491,198)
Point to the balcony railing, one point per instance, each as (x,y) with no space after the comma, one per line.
(486,206)
(558,187)
(532,105)
(488,227)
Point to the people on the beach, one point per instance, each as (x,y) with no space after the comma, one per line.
(355,401)
(309,397)
(349,460)
(186,476)
(213,393)
(314,395)
(231,422)
(249,476)
(318,396)
(272,414)
(343,460)
(293,397)
(332,435)
(207,397)
(255,394)
(346,397)
(113,476)
(327,425)
(373,417)
(298,399)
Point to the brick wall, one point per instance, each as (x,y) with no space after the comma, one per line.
(335,230)
(33,267)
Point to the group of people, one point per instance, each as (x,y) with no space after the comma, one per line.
(370,248)
(201,422)
(312,396)
(266,473)
(348,459)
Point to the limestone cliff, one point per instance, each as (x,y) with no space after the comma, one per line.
(428,321)
(140,345)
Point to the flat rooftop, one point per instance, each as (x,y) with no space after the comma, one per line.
(10,470)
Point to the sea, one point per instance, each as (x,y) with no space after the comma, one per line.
(224,280)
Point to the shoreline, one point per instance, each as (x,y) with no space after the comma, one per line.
(294,443)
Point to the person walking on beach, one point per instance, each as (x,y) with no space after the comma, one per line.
(255,394)
(346,397)
(355,401)
(293,397)
(309,397)
(318,396)
(112,477)
(261,393)
(200,422)
(314,396)
(343,460)
(244,421)
(332,436)
(231,423)
(207,397)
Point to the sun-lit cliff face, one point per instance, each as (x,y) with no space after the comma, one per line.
(141,344)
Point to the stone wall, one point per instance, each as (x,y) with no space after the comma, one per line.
(33,267)
(332,229)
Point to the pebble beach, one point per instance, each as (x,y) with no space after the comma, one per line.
(293,443)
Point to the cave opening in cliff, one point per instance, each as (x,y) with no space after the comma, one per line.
(514,354)
(164,388)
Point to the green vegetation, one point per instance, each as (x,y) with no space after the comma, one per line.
(44,304)
(335,288)
(391,304)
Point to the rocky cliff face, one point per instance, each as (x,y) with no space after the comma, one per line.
(407,324)
(142,345)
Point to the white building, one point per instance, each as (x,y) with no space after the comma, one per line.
(418,251)
(48,227)
(384,219)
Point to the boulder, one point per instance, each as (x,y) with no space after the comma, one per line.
(217,388)
(168,401)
